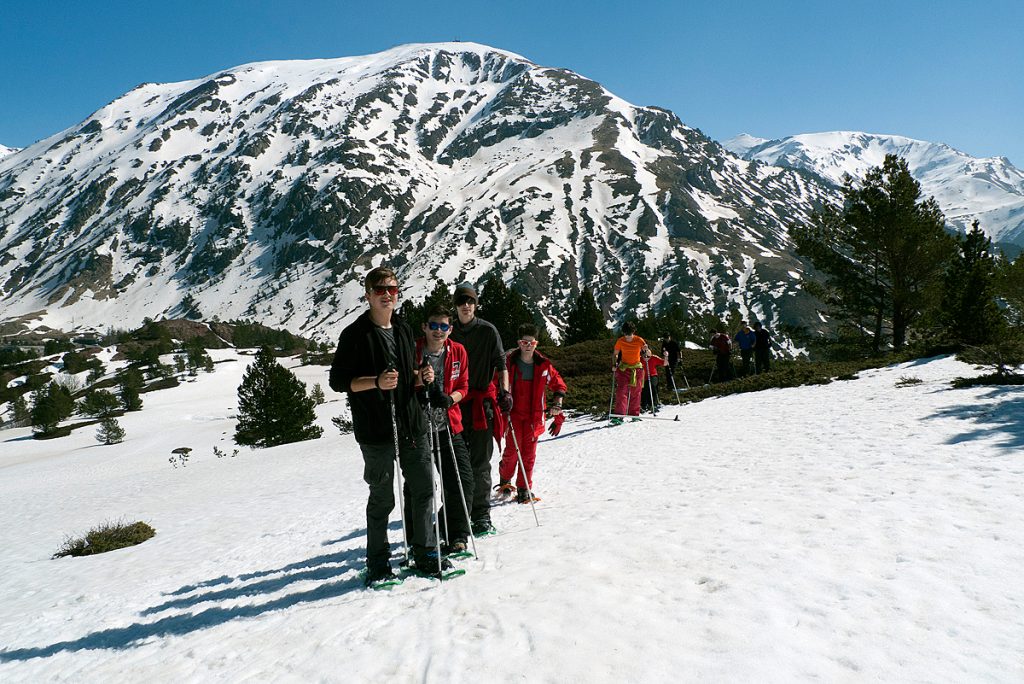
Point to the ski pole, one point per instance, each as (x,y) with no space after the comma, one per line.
(522,471)
(462,492)
(611,401)
(398,473)
(433,495)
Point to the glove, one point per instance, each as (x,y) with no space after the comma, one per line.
(556,424)
(439,399)
(505,401)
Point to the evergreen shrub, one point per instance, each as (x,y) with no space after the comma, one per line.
(108,536)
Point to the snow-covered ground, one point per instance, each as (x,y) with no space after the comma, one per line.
(856,531)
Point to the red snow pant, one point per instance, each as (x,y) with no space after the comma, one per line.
(524,427)
(629,384)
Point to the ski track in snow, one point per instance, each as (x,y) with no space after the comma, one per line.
(846,532)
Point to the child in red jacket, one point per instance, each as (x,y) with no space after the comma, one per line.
(530,375)
(447,386)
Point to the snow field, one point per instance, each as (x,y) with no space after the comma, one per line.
(846,532)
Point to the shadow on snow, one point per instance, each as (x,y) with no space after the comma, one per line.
(1003,414)
(324,568)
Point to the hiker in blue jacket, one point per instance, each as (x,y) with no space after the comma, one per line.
(745,340)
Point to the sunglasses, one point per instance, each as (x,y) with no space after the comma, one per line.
(443,327)
(464,300)
(381,289)
(528,343)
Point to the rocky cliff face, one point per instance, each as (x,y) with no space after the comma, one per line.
(268,190)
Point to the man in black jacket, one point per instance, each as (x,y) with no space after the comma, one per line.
(486,358)
(375,365)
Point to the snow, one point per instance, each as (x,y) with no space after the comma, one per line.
(853,531)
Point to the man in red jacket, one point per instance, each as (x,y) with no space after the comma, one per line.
(449,386)
(530,376)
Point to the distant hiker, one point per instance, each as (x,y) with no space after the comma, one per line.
(487,402)
(745,339)
(629,372)
(449,367)
(762,349)
(721,347)
(670,348)
(375,365)
(530,375)
(653,363)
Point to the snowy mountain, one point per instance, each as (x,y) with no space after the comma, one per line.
(4,151)
(966,188)
(864,532)
(266,191)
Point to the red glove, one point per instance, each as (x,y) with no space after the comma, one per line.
(556,424)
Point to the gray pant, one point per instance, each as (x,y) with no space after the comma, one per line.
(455,455)
(379,474)
(481,450)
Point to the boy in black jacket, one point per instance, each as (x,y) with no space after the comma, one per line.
(375,365)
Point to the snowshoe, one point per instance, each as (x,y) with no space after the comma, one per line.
(504,491)
(483,528)
(524,496)
(616,421)
(380,578)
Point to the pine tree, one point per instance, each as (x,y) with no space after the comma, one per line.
(317,394)
(882,252)
(969,309)
(21,415)
(100,404)
(1010,286)
(129,389)
(50,405)
(505,309)
(110,431)
(273,407)
(585,321)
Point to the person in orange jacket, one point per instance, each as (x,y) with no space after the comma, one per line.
(629,372)
(530,375)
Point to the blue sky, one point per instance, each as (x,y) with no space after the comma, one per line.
(946,71)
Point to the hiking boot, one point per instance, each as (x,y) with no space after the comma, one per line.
(458,546)
(428,564)
(525,496)
(504,490)
(381,573)
(482,527)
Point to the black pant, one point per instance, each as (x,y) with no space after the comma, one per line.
(379,474)
(481,450)
(746,355)
(762,360)
(454,458)
(723,367)
(650,388)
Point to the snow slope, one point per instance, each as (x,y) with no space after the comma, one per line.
(4,151)
(990,190)
(849,532)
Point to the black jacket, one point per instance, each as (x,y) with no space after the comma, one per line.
(360,352)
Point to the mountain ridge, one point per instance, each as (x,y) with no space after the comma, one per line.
(267,190)
(987,189)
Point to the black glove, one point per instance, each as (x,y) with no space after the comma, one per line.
(439,399)
(505,401)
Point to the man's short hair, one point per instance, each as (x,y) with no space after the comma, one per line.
(439,311)
(628,328)
(528,329)
(378,276)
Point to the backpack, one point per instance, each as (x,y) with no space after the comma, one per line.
(721,344)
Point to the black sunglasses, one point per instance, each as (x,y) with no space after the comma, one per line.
(443,327)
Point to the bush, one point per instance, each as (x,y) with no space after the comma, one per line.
(106,537)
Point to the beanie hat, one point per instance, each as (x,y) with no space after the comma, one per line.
(465,290)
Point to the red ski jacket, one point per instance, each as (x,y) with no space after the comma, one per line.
(529,398)
(456,377)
